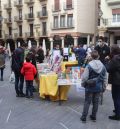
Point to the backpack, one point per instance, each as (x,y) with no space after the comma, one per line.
(94,78)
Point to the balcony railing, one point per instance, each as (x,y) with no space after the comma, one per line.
(8,6)
(68,7)
(111,22)
(29,1)
(113,2)
(7,36)
(42,0)
(8,21)
(66,26)
(29,17)
(18,4)
(29,34)
(42,14)
(18,19)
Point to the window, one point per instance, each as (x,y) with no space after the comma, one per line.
(10,31)
(44,11)
(20,30)
(68,4)
(31,12)
(44,28)
(31,29)
(55,22)
(57,5)
(20,14)
(62,21)
(116,18)
(70,20)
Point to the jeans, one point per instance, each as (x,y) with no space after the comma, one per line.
(116,98)
(29,88)
(2,69)
(94,97)
(19,80)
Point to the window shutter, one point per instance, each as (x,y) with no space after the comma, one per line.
(115,11)
(57,5)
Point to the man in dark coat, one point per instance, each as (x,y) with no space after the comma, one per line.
(103,50)
(17,63)
(114,71)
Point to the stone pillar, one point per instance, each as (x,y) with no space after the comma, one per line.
(111,39)
(62,42)
(75,41)
(88,40)
(51,43)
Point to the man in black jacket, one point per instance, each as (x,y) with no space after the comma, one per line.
(114,71)
(103,50)
(17,63)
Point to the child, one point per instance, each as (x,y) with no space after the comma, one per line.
(29,71)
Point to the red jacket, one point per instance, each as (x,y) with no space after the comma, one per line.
(28,70)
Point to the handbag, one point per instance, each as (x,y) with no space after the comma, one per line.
(12,78)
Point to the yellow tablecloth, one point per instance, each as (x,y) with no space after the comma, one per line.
(48,87)
(63,64)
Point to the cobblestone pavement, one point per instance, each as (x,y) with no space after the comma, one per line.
(23,113)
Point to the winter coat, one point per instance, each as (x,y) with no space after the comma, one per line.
(17,59)
(93,70)
(103,52)
(28,70)
(2,57)
(114,70)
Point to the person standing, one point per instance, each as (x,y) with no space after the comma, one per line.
(2,60)
(96,72)
(81,54)
(17,63)
(103,50)
(29,71)
(114,74)
(40,55)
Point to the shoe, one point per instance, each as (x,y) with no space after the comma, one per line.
(1,79)
(31,96)
(92,118)
(22,95)
(114,117)
(83,119)
(17,95)
(27,97)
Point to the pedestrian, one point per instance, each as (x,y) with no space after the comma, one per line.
(103,50)
(17,63)
(2,60)
(114,78)
(40,55)
(92,79)
(29,71)
(81,52)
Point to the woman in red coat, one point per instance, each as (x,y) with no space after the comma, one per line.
(29,71)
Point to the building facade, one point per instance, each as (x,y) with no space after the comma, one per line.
(110,21)
(61,22)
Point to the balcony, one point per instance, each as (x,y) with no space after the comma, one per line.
(113,2)
(8,21)
(68,7)
(7,36)
(43,0)
(29,2)
(18,4)
(42,14)
(29,17)
(8,7)
(60,27)
(18,19)
(28,34)
(111,22)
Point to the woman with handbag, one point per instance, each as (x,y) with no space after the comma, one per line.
(93,78)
